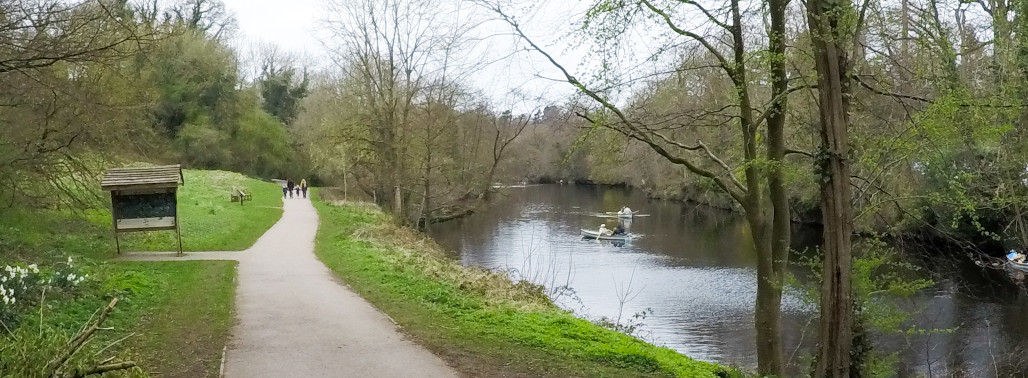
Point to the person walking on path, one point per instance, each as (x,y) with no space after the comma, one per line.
(303,187)
(291,185)
(285,187)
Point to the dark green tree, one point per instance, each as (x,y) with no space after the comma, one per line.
(281,90)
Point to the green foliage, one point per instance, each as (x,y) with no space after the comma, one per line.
(203,144)
(477,314)
(281,92)
(881,282)
(213,123)
(261,145)
(195,78)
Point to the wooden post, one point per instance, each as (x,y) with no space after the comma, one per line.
(114,224)
(178,229)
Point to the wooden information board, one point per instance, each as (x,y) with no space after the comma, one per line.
(144,199)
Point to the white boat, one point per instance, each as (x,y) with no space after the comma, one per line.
(593,234)
(619,214)
(1019,266)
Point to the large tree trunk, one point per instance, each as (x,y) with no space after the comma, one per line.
(768,309)
(833,86)
(775,256)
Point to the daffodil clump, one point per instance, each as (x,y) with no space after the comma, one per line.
(22,287)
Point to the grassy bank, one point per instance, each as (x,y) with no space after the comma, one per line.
(209,221)
(172,318)
(481,322)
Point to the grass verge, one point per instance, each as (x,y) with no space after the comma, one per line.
(174,317)
(480,321)
(209,223)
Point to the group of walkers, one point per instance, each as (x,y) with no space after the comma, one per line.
(291,189)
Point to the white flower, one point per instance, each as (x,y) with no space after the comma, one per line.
(69,260)
(34,268)
(3,278)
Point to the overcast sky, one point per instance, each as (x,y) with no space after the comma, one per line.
(291,27)
(295,28)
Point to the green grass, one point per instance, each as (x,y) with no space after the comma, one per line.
(479,321)
(184,314)
(180,312)
(209,221)
(45,236)
(173,319)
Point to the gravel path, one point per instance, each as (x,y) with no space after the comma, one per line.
(294,318)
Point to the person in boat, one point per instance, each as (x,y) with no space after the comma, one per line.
(604,231)
(1016,256)
(619,230)
(625,211)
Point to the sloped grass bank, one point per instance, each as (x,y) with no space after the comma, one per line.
(210,222)
(172,318)
(481,322)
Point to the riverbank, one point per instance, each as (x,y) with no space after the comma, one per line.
(172,318)
(479,321)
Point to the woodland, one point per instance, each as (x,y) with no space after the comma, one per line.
(903,118)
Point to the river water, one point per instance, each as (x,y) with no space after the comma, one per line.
(693,276)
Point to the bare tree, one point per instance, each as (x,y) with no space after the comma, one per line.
(399,55)
(55,59)
(761,192)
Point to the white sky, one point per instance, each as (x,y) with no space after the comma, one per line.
(291,26)
(295,28)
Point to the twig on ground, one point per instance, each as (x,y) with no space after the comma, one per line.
(54,369)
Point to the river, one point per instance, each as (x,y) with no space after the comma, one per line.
(692,275)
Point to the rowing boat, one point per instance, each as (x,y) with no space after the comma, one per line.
(593,234)
(620,214)
(1019,266)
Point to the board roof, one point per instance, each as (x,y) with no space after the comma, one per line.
(163,176)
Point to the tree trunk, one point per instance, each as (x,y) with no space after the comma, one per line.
(398,202)
(773,260)
(768,309)
(836,333)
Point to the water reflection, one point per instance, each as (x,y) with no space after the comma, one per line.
(694,268)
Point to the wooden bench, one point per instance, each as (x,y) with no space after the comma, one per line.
(240,195)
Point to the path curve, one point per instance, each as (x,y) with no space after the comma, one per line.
(294,318)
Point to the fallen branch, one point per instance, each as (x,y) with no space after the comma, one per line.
(54,369)
(99,369)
